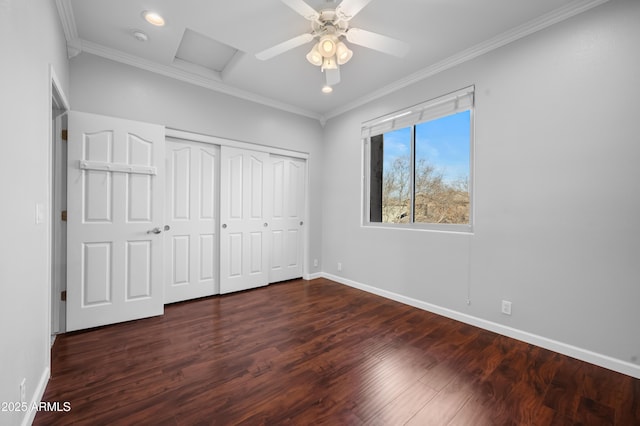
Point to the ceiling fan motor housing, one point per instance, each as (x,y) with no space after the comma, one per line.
(329,23)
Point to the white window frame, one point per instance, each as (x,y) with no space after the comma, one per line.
(451,103)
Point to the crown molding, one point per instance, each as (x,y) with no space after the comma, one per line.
(75,45)
(571,9)
(182,72)
(196,69)
(65,10)
(68,21)
(211,82)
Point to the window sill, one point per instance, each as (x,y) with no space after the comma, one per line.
(440,228)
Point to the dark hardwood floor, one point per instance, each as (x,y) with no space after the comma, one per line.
(319,352)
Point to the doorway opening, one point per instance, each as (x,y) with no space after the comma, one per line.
(57,203)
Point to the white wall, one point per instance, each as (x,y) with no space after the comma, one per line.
(106,87)
(557,177)
(30,39)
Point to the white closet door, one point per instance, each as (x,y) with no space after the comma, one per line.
(287,222)
(191,244)
(114,258)
(245,193)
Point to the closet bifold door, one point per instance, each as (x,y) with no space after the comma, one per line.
(191,212)
(287,218)
(245,195)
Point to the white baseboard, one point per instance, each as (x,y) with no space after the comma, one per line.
(313,276)
(37,397)
(573,351)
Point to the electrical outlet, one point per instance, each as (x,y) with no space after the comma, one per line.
(315,263)
(23,391)
(339,267)
(506,307)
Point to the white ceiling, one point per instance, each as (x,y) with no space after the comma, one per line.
(440,33)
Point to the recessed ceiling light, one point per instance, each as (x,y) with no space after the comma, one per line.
(153,18)
(327,89)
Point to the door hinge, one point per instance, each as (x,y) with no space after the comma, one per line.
(63,215)
(63,295)
(63,135)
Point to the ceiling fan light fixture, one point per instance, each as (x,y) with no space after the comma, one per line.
(314,56)
(329,27)
(327,46)
(343,53)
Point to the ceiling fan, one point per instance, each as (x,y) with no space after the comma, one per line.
(330,27)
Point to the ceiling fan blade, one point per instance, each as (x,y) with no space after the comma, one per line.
(284,46)
(377,42)
(332,76)
(349,8)
(303,9)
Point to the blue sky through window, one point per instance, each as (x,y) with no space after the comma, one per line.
(444,143)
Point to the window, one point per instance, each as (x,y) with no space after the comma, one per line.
(418,165)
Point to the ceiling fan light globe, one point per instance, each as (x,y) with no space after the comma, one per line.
(314,56)
(327,46)
(343,53)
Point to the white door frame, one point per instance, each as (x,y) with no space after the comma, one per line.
(198,137)
(56,237)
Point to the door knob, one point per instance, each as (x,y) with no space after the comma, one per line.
(155,230)
(224,226)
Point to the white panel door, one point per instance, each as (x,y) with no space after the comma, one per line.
(114,262)
(244,209)
(191,244)
(287,219)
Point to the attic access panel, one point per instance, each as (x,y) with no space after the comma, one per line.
(201,50)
